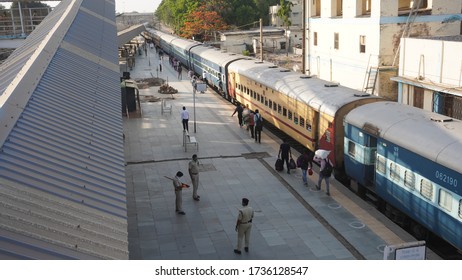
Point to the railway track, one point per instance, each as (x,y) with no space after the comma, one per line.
(440,247)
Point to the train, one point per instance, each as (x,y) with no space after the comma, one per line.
(409,159)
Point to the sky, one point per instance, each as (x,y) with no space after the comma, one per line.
(122,6)
(141,6)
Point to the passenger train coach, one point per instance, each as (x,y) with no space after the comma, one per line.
(409,158)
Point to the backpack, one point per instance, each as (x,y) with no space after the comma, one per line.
(327,171)
(300,161)
(259,123)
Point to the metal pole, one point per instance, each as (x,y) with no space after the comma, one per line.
(194,102)
(261,40)
(22,22)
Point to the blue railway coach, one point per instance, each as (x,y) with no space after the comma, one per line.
(413,159)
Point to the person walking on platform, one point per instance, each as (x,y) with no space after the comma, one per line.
(180,70)
(193,169)
(239,110)
(258,120)
(243,226)
(306,163)
(285,153)
(185,119)
(251,123)
(178,186)
(325,171)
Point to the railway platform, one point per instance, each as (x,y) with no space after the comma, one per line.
(291,221)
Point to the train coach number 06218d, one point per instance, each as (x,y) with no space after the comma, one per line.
(445,178)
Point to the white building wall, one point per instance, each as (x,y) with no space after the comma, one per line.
(435,61)
(382,26)
(295,18)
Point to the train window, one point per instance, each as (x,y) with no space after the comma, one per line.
(445,200)
(270,103)
(426,189)
(279,109)
(302,122)
(394,172)
(308,127)
(284,112)
(289,115)
(380,166)
(460,208)
(351,148)
(409,179)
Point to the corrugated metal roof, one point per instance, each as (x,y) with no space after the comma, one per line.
(62,174)
(128,34)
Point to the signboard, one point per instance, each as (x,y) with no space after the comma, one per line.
(405,251)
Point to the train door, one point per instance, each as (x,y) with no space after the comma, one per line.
(315,129)
(231,86)
(370,159)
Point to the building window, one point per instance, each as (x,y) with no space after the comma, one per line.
(289,115)
(366,7)
(362,44)
(302,122)
(339,8)
(315,38)
(336,39)
(418,97)
(447,104)
(284,112)
(317,4)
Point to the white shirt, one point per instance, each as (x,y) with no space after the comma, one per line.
(184,115)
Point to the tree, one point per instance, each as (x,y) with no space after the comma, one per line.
(201,24)
(284,13)
(31,4)
(238,13)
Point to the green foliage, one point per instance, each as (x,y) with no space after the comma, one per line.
(285,11)
(236,13)
(32,4)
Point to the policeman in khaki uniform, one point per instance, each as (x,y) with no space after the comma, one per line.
(178,186)
(244,225)
(193,169)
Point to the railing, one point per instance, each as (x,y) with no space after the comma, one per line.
(19,24)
